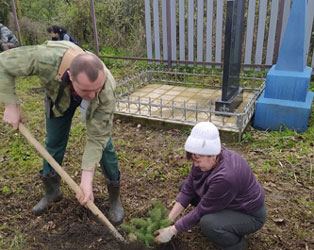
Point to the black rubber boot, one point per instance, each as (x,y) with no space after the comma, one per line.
(53,194)
(116,212)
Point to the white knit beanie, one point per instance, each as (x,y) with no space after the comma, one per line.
(203,140)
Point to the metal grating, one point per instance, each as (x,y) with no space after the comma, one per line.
(146,95)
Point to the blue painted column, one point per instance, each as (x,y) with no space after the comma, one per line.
(286,99)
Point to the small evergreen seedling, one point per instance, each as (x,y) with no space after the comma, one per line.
(144,229)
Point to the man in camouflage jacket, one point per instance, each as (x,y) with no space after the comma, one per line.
(70,76)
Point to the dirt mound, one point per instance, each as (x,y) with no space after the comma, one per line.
(70,226)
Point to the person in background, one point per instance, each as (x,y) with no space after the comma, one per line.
(7,38)
(70,77)
(59,33)
(229,201)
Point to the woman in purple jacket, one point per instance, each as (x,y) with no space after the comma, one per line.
(229,201)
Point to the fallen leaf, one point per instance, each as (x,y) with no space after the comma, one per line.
(278,220)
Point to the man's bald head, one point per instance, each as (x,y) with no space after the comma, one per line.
(88,64)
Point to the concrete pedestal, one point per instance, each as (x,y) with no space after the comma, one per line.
(288,85)
(286,99)
(271,113)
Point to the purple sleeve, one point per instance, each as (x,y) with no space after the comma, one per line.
(218,196)
(187,192)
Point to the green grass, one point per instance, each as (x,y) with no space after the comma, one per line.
(279,141)
(18,241)
(185,169)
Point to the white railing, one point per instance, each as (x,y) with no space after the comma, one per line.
(197,28)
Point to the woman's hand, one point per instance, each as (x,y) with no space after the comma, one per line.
(164,235)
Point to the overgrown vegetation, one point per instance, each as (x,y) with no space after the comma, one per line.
(120,23)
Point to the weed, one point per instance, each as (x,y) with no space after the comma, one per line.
(5,190)
(124,143)
(247,137)
(185,170)
(155,174)
(309,204)
(123,156)
(4,226)
(139,162)
(301,235)
(265,168)
(18,241)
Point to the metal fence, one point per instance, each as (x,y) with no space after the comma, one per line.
(191,31)
(130,103)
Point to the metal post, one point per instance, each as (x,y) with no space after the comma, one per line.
(92,10)
(168,14)
(139,104)
(184,110)
(17,26)
(129,107)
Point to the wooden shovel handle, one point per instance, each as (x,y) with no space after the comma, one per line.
(64,175)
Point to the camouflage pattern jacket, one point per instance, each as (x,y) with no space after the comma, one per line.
(44,61)
(6,35)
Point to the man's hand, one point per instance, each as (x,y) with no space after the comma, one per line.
(86,187)
(165,234)
(12,115)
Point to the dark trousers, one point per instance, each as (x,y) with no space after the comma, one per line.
(58,130)
(226,229)
(7,46)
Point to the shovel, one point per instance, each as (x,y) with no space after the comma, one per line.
(68,180)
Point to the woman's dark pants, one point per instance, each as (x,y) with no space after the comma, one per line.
(227,228)
(58,130)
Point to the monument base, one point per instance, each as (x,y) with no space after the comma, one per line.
(272,113)
(288,85)
(231,104)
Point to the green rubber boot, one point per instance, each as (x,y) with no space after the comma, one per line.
(116,211)
(53,194)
